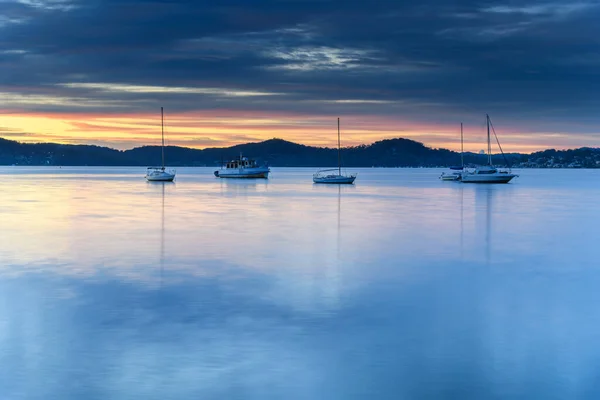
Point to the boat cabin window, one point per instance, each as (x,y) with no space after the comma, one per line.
(241,163)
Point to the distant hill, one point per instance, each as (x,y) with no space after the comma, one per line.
(281,153)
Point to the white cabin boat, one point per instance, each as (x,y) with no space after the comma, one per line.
(328,175)
(160,174)
(243,167)
(488,173)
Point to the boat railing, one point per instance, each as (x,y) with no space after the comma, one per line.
(160,169)
(326,172)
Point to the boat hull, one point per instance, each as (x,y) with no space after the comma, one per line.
(160,176)
(339,180)
(243,173)
(169,178)
(491,178)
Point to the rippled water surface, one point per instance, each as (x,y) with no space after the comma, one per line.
(399,287)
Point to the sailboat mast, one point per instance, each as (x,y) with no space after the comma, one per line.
(162,128)
(339,154)
(489,143)
(462,150)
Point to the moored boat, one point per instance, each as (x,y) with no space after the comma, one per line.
(160,174)
(488,173)
(454,176)
(243,167)
(328,175)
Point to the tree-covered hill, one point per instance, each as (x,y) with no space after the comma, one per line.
(281,153)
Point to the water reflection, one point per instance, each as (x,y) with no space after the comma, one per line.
(339,214)
(476,205)
(462,220)
(484,201)
(162,186)
(395,288)
(488,223)
(162,233)
(242,187)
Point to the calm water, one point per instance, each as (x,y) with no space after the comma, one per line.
(400,287)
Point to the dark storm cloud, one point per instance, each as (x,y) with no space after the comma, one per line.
(520,59)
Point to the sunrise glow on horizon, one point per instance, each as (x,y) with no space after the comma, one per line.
(228,128)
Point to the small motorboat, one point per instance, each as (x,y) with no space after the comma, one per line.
(243,167)
(454,176)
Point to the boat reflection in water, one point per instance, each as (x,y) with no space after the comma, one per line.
(477,211)
(161,258)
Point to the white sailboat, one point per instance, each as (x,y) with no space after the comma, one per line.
(488,173)
(329,176)
(160,174)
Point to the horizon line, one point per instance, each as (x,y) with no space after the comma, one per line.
(296,143)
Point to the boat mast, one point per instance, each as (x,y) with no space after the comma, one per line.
(462,159)
(339,155)
(162,128)
(487,119)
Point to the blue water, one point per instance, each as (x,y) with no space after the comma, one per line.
(399,287)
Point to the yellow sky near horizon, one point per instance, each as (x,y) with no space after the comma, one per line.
(227,128)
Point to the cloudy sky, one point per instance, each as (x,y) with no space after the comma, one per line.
(233,71)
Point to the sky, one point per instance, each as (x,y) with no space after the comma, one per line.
(236,71)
